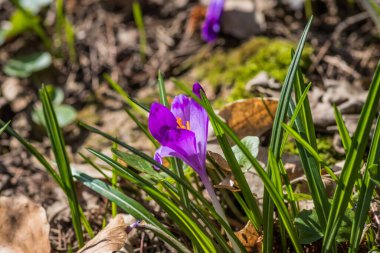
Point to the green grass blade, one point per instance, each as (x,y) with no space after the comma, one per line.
(304,144)
(294,115)
(275,142)
(139,20)
(168,239)
(269,185)
(162,90)
(127,99)
(302,141)
(305,114)
(36,154)
(132,207)
(114,180)
(312,172)
(142,128)
(353,161)
(88,160)
(205,204)
(185,222)
(366,191)
(236,170)
(342,129)
(58,146)
(86,223)
(4,127)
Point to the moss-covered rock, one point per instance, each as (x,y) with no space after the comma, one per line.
(236,67)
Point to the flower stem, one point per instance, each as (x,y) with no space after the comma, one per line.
(218,208)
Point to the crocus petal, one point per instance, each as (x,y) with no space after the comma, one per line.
(165,151)
(162,152)
(160,121)
(211,26)
(197,88)
(190,111)
(183,142)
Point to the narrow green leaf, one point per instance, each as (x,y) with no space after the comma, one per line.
(268,184)
(4,127)
(139,164)
(304,143)
(235,167)
(142,128)
(88,160)
(275,142)
(132,207)
(185,222)
(128,100)
(59,150)
(343,132)
(164,236)
(312,171)
(353,161)
(294,116)
(205,204)
(366,190)
(36,154)
(139,20)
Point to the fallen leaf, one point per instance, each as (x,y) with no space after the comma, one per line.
(219,160)
(24,226)
(250,117)
(228,183)
(111,238)
(250,238)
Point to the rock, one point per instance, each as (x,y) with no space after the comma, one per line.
(11,88)
(348,98)
(241,14)
(262,83)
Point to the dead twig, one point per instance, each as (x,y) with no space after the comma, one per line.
(335,36)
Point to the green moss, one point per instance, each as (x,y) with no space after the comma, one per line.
(325,150)
(236,67)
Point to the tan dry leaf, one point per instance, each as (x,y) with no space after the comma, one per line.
(219,160)
(228,183)
(24,227)
(111,238)
(250,239)
(250,117)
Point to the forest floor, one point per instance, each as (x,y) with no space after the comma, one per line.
(345,48)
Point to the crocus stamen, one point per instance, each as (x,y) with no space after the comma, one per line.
(181,125)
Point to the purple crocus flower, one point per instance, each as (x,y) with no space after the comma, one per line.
(211,25)
(182,131)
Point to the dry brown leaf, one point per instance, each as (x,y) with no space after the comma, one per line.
(24,227)
(219,160)
(250,117)
(228,183)
(111,238)
(250,239)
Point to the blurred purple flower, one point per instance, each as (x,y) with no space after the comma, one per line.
(211,25)
(182,131)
